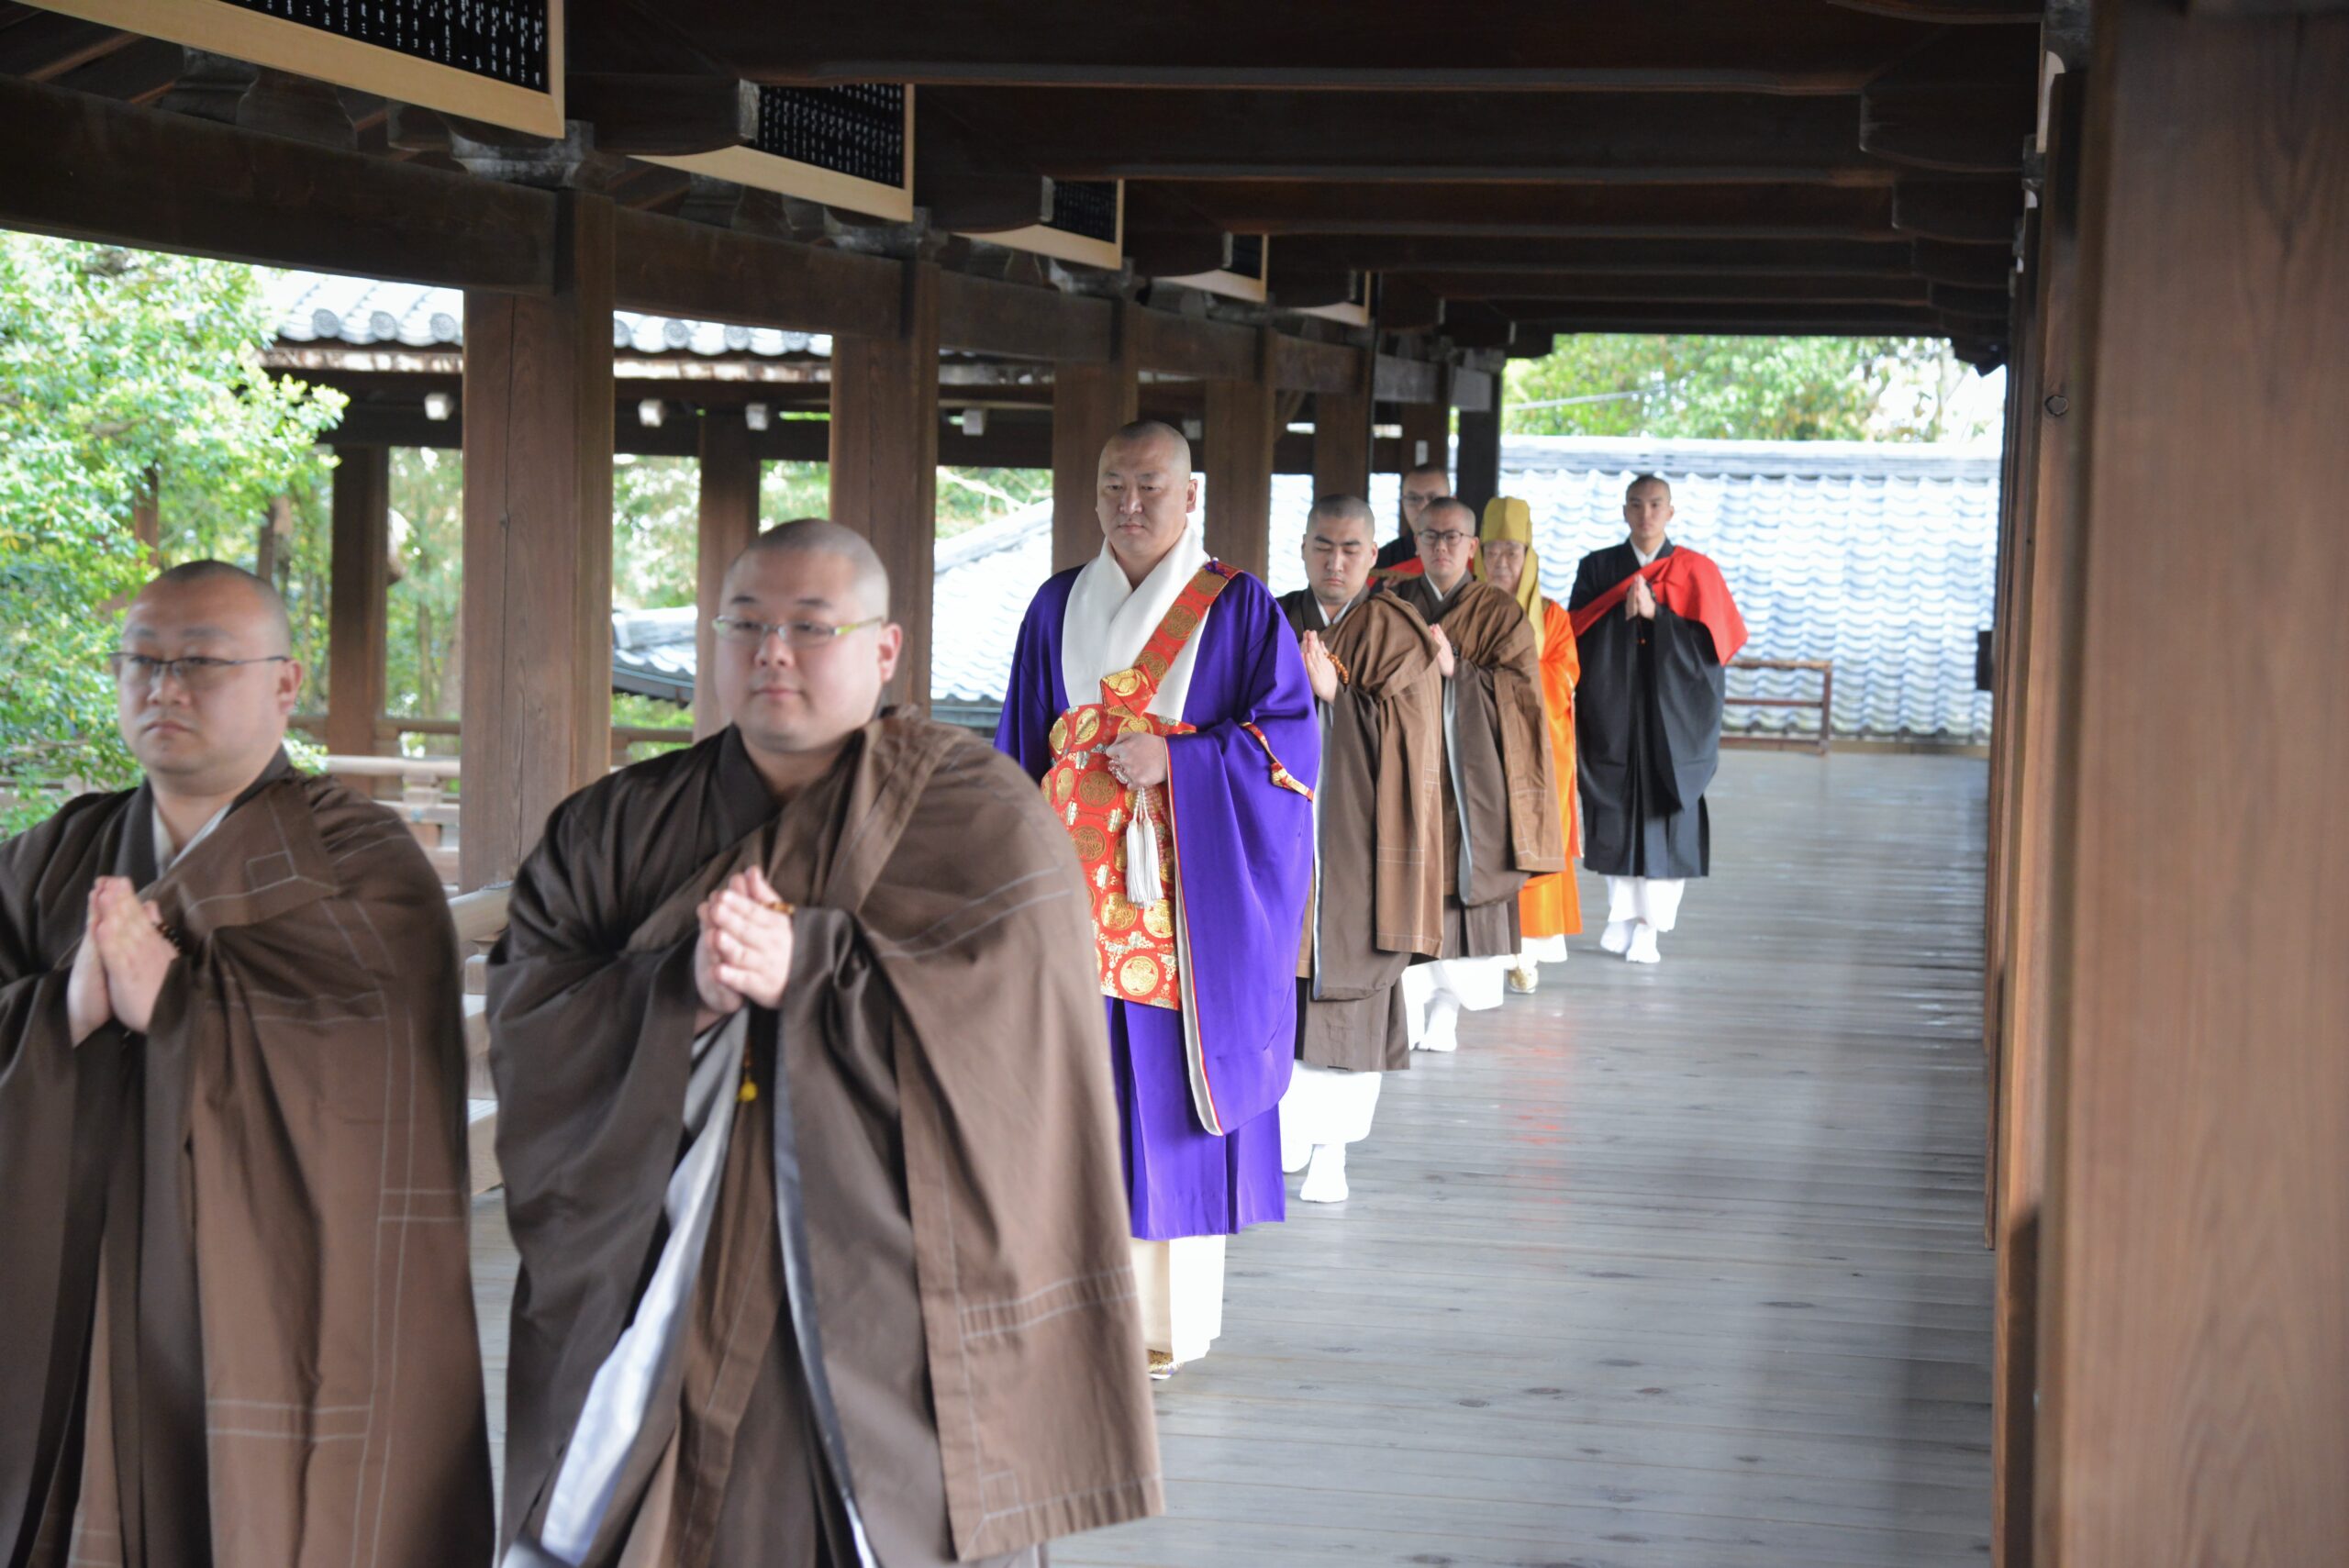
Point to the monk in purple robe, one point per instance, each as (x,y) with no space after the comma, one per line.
(1159,698)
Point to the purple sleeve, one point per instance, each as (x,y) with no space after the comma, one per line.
(1244,847)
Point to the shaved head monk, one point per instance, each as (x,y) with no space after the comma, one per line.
(1656,627)
(1160,700)
(808,1137)
(1500,794)
(1423,484)
(238,1326)
(1378,849)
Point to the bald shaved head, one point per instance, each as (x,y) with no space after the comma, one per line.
(820,536)
(276,629)
(1144,494)
(1144,432)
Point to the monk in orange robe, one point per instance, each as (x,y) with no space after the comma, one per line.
(1549,907)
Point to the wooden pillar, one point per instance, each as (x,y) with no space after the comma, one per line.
(538,600)
(729,520)
(358,576)
(1090,402)
(1427,435)
(1478,475)
(2194,1359)
(1342,443)
(884,463)
(1239,436)
(2046,615)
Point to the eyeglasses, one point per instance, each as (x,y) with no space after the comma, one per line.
(194,672)
(1444,539)
(805,635)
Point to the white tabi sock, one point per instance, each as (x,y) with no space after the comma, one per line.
(1325,1181)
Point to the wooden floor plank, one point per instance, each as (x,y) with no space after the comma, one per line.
(1669,1268)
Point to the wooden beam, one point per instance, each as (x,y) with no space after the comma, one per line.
(538,566)
(358,576)
(82,168)
(1391,255)
(728,522)
(1714,45)
(1396,380)
(1178,252)
(1967,266)
(985,316)
(2195,1288)
(1958,12)
(1966,212)
(1239,466)
(1194,348)
(1966,101)
(1221,134)
(1843,289)
(45,45)
(669,266)
(1405,306)
(1304,364)
(1090,401)
(668,115)
(1737,320)
(885,462)
(1732,212)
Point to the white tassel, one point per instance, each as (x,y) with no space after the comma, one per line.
(1142,882)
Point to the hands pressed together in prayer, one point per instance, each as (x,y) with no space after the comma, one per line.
(1320,670)
(1445,660)
(1138,761)
(119,969)
(1640,603)
(744,951)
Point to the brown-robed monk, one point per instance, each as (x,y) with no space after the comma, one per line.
(808,1137)
(236,1325)
(1378,848)
(1500,797)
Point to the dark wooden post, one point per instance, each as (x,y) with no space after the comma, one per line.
(358,576)
(1477,477)
(885,462)
(1427,435)
(1239,436)
(1341,442)
(2194,1363)
(2046,615)
(729,520)
(537,605)
(1090,403)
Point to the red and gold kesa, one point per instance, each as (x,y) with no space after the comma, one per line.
(1134,944)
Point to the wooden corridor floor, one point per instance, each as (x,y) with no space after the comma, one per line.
(1668,1268)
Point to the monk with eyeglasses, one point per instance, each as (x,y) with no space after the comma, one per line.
(233,1280)
(808,1128)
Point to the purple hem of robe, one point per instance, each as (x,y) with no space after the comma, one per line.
(1244,861)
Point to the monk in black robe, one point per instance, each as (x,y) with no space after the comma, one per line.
(1656,627)
(236,1325)
(1378,850)
(806,1127)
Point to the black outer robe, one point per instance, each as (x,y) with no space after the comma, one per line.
(1647,730)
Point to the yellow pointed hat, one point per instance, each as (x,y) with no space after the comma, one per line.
(1509,520)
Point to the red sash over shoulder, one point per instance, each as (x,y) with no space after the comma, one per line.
(1690,586)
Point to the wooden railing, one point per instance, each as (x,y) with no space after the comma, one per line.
(1824,702)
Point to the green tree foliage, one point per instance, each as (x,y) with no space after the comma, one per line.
(121,375)
(1785,389)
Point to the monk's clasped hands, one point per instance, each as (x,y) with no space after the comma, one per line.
(121,965)
(1640,603)
(1139,761)
(1445,660)
(1320,670)
(744,950)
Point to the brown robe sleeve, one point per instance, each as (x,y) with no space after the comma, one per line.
(1489,630)
(284,1352)
(1385,748)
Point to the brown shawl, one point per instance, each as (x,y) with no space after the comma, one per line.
(1497,651)
(930,860)
(1379,811)
(234,1281)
